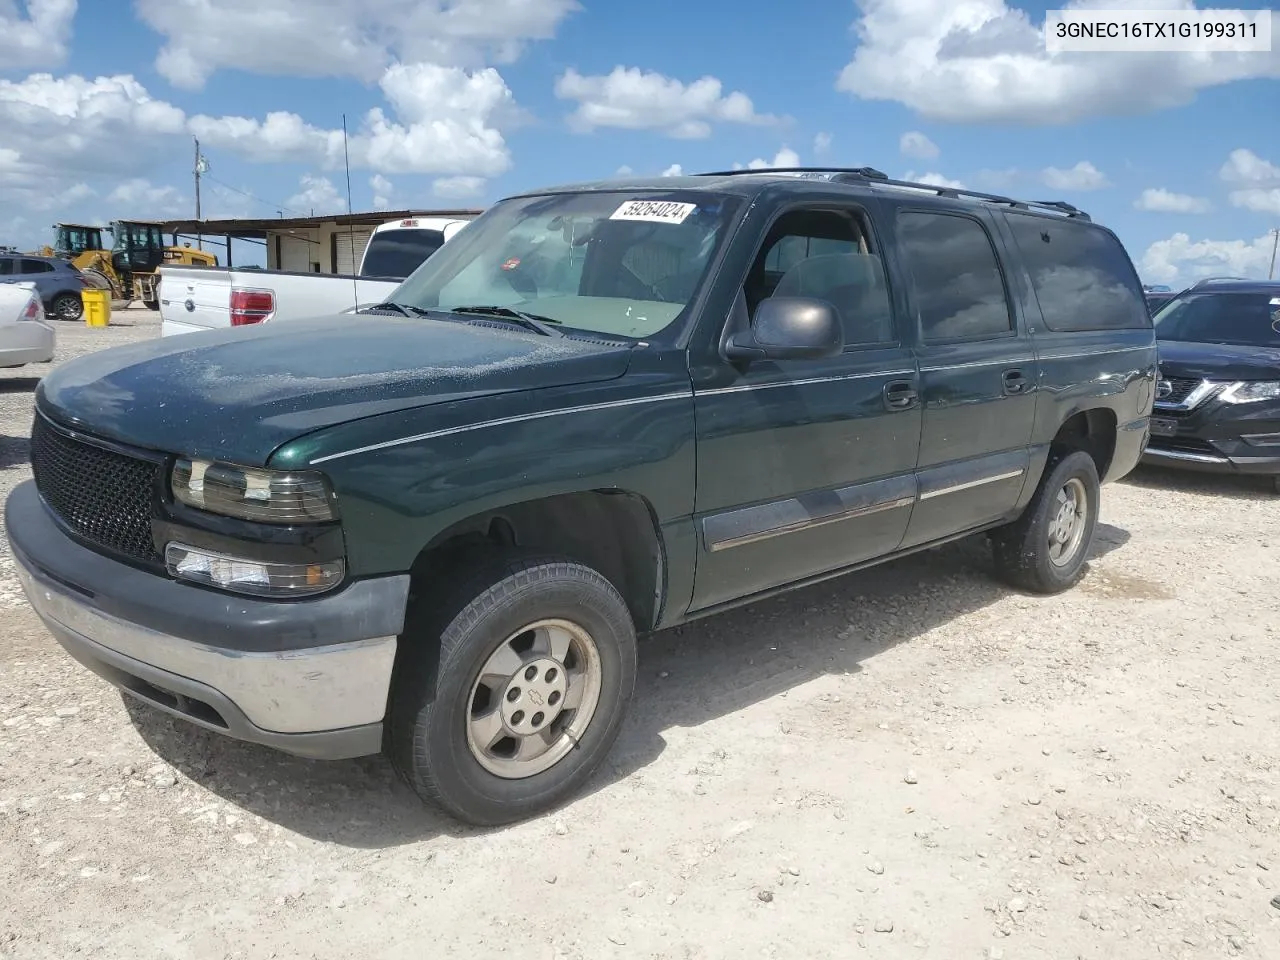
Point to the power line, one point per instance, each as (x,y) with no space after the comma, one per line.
(265,203)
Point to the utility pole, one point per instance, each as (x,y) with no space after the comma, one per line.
(200,168)
(1271,272)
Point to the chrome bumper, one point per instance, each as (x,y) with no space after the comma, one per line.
(291,691)
(308,677)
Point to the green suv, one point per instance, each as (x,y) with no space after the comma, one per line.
(437,528)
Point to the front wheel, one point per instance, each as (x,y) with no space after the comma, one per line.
(536,668)
(1045,549)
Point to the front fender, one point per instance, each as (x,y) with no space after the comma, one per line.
(403,478)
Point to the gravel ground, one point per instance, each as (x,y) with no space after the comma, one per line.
(914,760)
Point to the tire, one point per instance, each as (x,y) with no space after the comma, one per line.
(1023,550)
(442,712)
(67,306)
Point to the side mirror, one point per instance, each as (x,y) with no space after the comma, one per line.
(789,328)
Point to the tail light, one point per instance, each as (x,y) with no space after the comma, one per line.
(251,305)
(33,310)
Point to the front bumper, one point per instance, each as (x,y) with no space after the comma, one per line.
(27,341)
(309,677)
(1217,437)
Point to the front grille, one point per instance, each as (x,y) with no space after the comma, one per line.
(1181,389)
(101,495)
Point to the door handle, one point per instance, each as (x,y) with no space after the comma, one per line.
(900,395)
(1015,382)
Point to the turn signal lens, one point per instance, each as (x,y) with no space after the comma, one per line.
(252,576)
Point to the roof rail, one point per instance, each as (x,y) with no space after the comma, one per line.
(1206,280)
(872,175)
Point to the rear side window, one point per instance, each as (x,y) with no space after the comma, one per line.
(956,282)
(1081,276)
(6,266)
(35,266)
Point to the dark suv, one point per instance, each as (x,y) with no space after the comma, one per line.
(600,410)
(1217,405)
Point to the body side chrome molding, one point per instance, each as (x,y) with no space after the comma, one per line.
(970,484)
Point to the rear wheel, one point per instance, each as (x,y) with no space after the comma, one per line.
(537,662)
(1045,549)
(67,306)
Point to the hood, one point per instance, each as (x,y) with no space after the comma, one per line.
(1218,361)
(240,393)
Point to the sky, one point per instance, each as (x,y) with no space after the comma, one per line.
(461,102)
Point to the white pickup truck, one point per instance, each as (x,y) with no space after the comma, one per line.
(205,298)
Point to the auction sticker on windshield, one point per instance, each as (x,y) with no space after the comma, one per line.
(654,211)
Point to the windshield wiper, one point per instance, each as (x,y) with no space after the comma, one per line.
(530,321)
(406,309)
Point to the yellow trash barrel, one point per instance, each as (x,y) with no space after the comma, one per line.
(97,306)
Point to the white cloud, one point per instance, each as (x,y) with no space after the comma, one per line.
(623,171)
(1160,200)
(59,198)
(59,132)
(1245,166)
(445,123)
(382,190)
(821,144)
(147,201)
(982,61)
(933,179)
(320,38)
(786,157)
(37,39)
(1257,182)
(458,188)
(675,170)
(915,144)
(1083,176)
(318,196)
(1180,260)
(631,99)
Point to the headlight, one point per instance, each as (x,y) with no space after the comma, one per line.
(1251,390)
(249,493)
(252,576)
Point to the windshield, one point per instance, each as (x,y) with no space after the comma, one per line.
(397,253)
(625,264)
(1242,319)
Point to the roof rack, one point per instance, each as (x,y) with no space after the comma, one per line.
(872,175)
(1206,280)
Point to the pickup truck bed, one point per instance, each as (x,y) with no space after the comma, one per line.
(202,298)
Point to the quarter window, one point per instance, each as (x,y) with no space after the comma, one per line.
(956,282)
(1081,275)
(35,266)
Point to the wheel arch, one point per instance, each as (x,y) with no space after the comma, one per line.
(1092,430)
(613,531)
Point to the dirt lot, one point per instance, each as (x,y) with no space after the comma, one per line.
(912,762)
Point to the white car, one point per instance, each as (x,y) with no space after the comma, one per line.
(24,336)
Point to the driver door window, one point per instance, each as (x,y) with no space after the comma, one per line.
(826,255)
